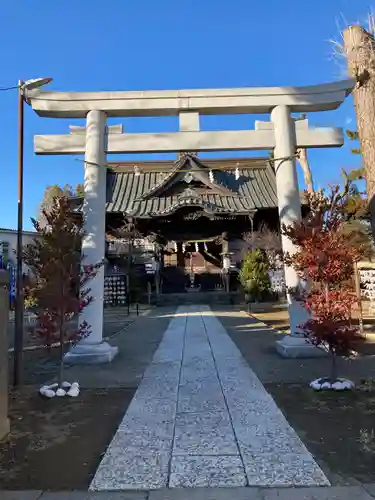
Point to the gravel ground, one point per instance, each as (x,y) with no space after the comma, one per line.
(57,444)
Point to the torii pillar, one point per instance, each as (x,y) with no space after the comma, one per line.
(289,205)
(286,130)
(93,349)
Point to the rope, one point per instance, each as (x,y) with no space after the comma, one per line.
(241,167)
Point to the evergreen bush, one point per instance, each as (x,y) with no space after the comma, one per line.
(254,276)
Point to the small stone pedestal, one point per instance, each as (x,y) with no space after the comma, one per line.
(4,312)
(85,353)
(294,346)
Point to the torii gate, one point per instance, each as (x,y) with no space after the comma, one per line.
(282,134)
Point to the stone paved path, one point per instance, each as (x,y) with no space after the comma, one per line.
(201,417)
(366,492)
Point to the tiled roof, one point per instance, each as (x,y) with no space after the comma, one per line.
(147,194)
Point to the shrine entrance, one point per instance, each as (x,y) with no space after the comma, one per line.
(197,263)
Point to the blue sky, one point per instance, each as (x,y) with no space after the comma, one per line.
(93,45)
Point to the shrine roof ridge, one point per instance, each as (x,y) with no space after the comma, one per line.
(166,165)
(254,189)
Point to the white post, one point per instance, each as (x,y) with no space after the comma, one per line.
(93,349)
(289,203)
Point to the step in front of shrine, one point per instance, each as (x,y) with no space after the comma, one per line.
(198,297)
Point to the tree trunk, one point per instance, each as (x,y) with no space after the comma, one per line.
(61,368)
(307,175)
(333,375)
(360,52)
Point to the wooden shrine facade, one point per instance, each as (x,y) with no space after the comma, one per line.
(198,209)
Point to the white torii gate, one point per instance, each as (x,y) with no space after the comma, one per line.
(282,134)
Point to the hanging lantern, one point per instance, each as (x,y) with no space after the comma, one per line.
(237,173)
(137,171)
(175,247)
(184,247)
(196,247)
(211,176)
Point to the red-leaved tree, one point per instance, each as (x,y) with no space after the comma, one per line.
(326,251)
(59,279)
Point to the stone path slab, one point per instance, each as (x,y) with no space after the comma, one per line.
(335,493)
(246,493)
(202,418)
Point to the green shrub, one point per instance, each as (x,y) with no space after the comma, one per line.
(254,276)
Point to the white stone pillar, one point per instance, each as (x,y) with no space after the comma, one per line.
(289,205)
(93,349)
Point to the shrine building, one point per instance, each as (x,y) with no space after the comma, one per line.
(198,209)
